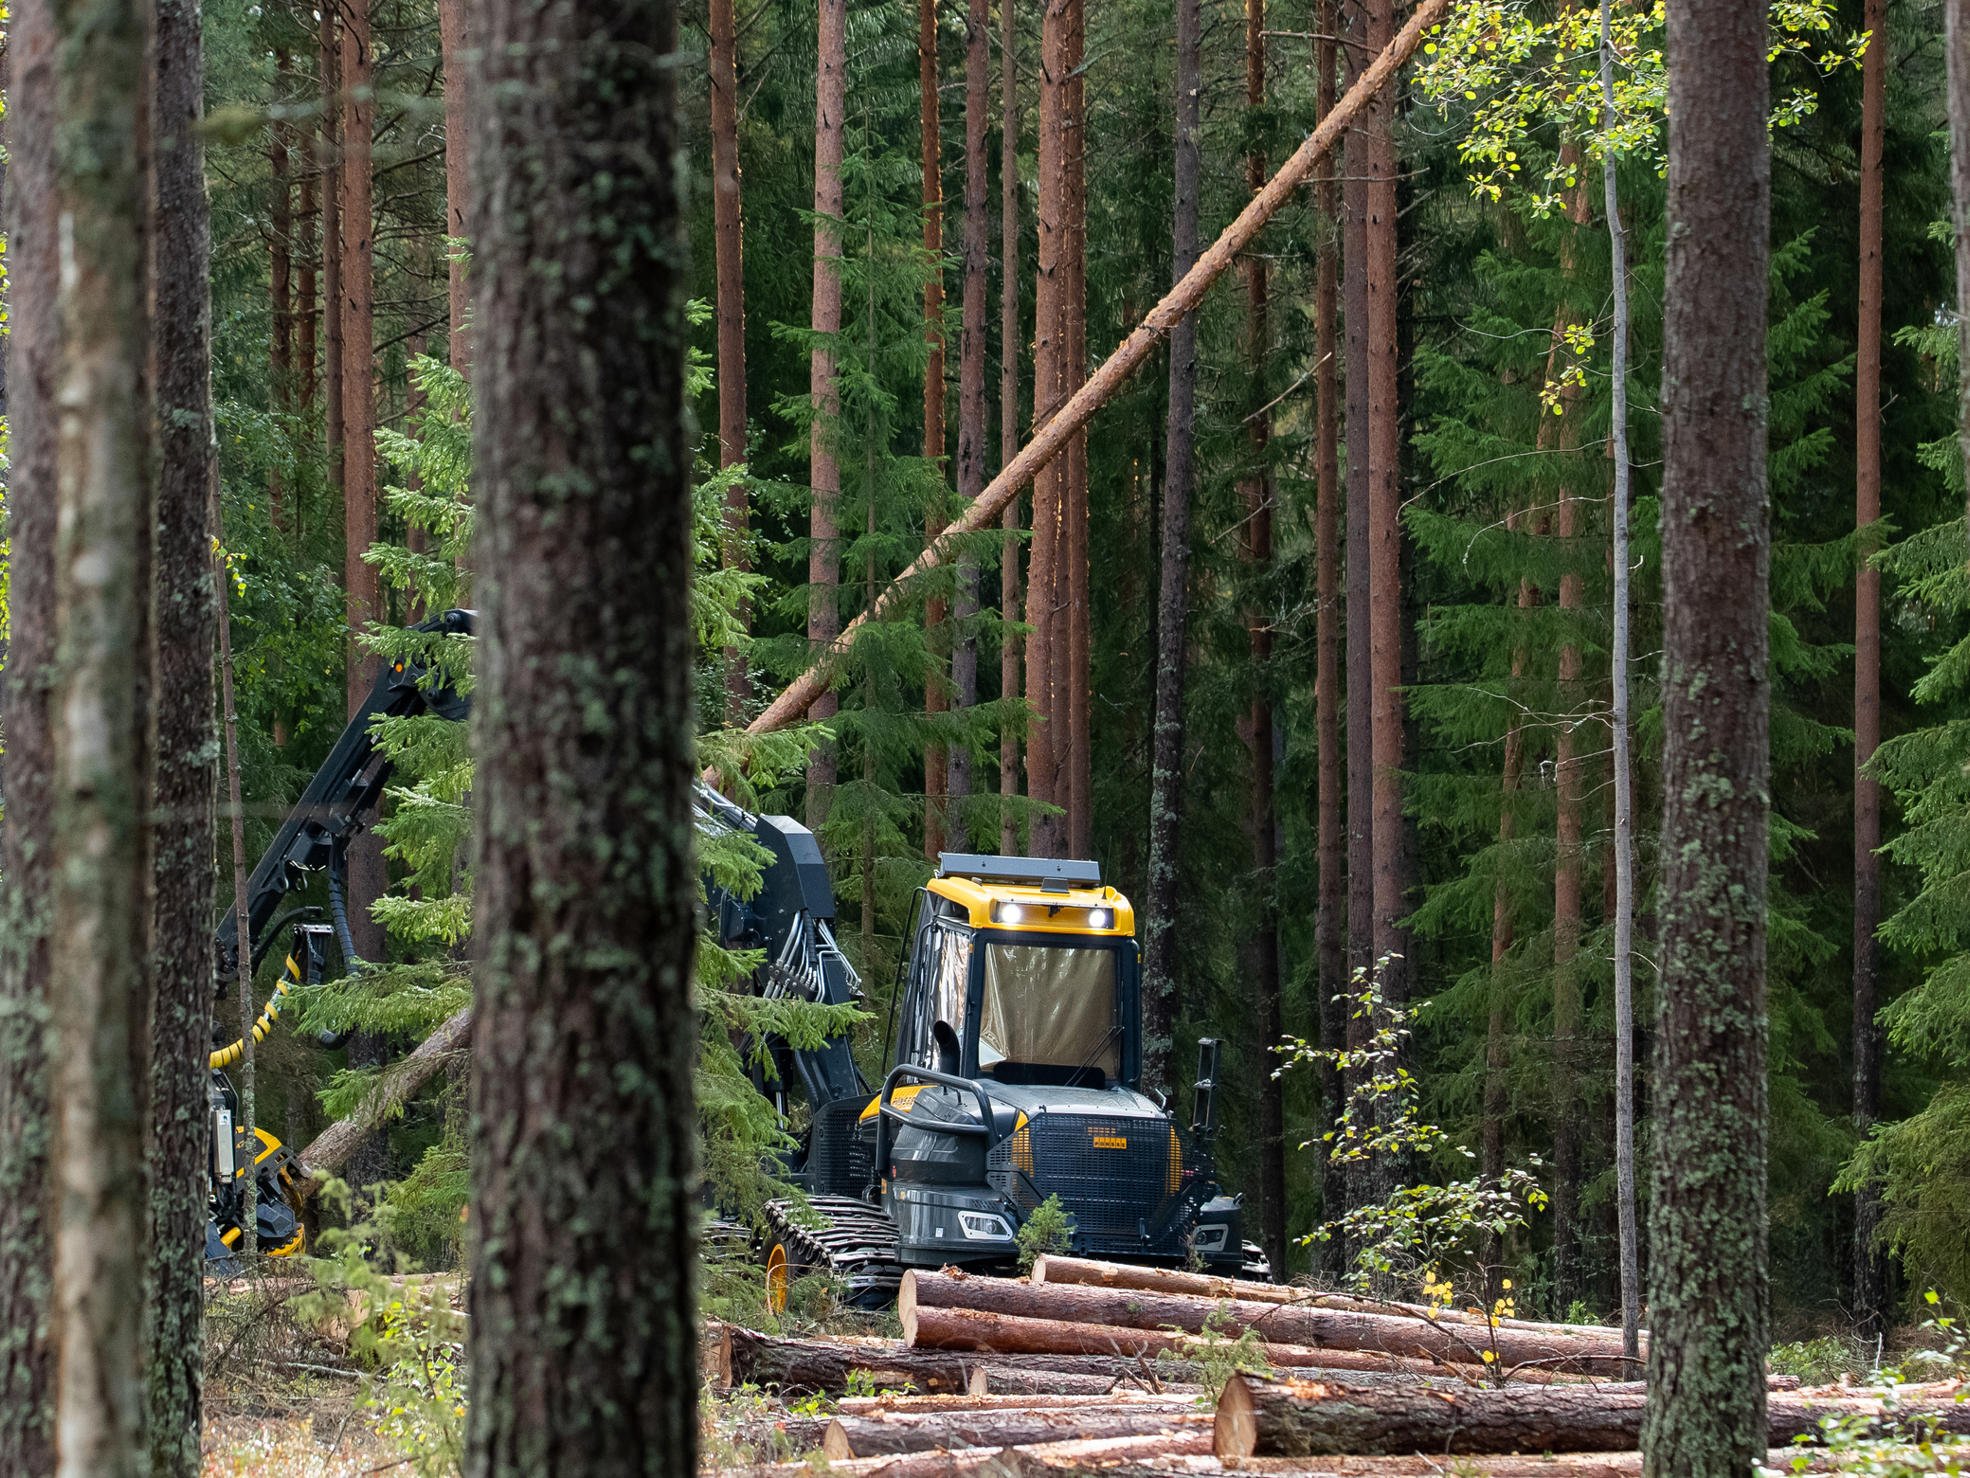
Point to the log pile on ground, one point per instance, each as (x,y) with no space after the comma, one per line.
(1090,1366)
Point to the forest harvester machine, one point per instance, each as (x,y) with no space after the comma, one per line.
(1012,1052)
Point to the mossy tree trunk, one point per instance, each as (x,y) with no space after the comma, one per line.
(26,1369)
(99,863)
(183,741)
(1708,1274)
(583,1350)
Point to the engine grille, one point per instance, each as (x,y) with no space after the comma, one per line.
(1124,1181)
(837,1161)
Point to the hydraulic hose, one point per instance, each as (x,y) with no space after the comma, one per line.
(338,912)
(228,1055)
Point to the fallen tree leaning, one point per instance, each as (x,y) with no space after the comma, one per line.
(329,1153)
(1181,300)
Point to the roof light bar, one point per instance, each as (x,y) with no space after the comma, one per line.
(1046,871)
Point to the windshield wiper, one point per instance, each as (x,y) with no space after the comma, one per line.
(1114,1031)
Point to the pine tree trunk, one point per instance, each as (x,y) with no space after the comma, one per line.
(1570,783)
(971,383)
(1351,1180)
(1627,1232)
(729,251)
(1010,341)
(362,595)
(1869,1283)
(98,862)
(1330,924)
(1072,695)
(1047,641)
(331,241)
(280,357)
(1708,1271)
(183,740)
(585,564)
(824,471)
(1160,1000)
(456,58)
(1956,47)
(1255,490)
(27,1372)
(1384,451)
(936,698)
(307,270)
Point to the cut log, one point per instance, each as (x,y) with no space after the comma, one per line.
(807,1367)
(1005,1337)
(1151,1457)
(869,1436)
(1273,1418)
(1085,1272)
(1011,1380)
(1314,1328)
(1019,1401)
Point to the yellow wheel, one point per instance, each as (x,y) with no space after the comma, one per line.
(776,1278)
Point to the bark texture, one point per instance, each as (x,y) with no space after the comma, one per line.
(183,740)
(362,597)
(100,882)
(825,1367)
(1051,438)
(329,154)
(583,1340)
(823,470)
(1708,1274)
(1160,1003)
(26,1350)
(1868,1270)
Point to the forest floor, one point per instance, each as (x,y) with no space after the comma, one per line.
(323,1445)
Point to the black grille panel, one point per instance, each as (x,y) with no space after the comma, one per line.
(1115,1176)
(837,1158)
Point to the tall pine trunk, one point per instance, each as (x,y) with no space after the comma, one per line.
(1352,1180)
(1708,1270)
(1869,1287)
(824,471)
(1255,490)
(280,348)
(453,45)
(183,740)
(936,698)
(585,567)
(1010,342)
(1046,642)
(1159,965)
(728,236)
(329,157)
(1384,451)
(1330,924)
(1956,46)
(971,384)
(1072,695)
(100,877)
(27,1374)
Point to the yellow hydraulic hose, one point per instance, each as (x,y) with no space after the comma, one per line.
(227,1056)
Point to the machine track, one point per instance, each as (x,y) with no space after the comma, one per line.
(844,1239)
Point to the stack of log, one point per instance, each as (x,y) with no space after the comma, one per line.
(1090,1366)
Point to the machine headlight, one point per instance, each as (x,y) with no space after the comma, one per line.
(1008,913)
(1210,1237)
(984,1226)
(1100,918)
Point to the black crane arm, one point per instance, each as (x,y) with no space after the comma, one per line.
(342,797)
